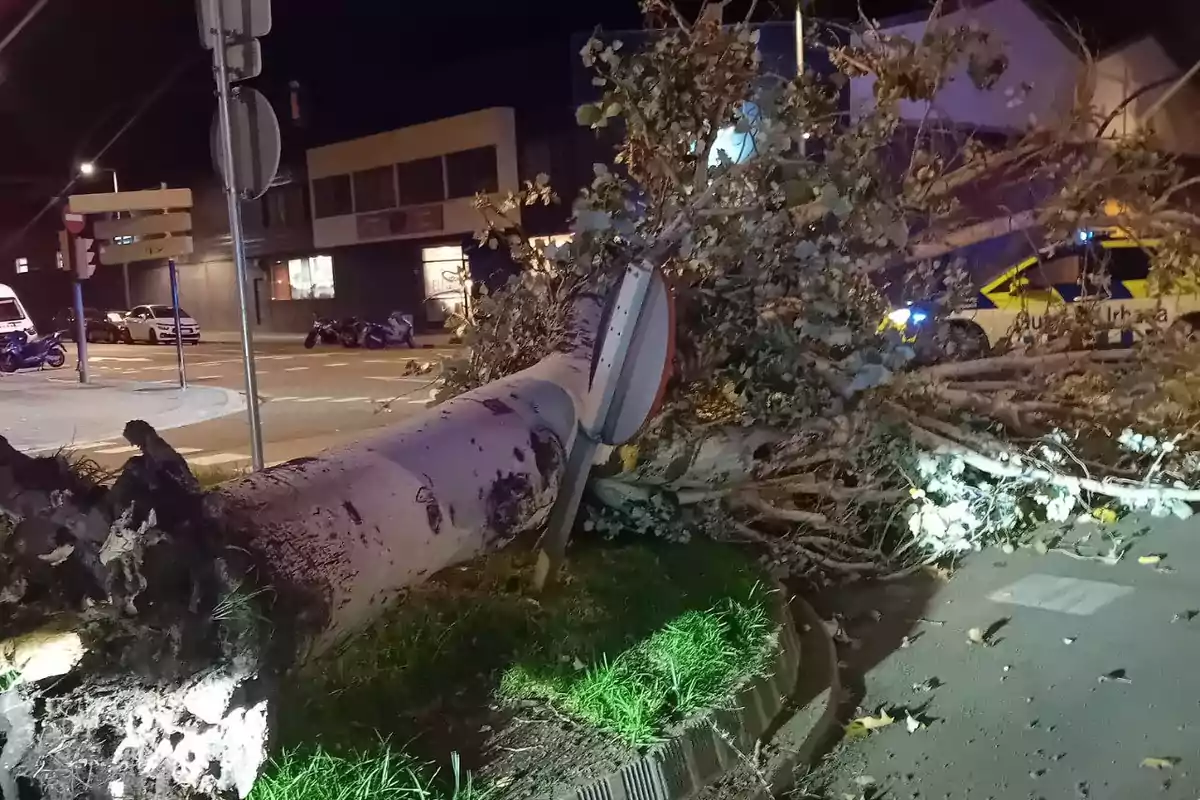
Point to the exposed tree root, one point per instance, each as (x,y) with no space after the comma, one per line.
(133,634)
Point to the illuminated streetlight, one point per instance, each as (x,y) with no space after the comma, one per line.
(88,169)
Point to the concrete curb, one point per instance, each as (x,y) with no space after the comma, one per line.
(813,728)
(219,402)
(714,743)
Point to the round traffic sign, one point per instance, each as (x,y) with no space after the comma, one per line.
(74,223)
(643,372)
(256,142)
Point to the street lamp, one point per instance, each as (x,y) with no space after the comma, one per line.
(88,169)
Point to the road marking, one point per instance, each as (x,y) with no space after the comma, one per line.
(398,378)
(115,358)
(84,445)
(312,399)
(116,451)
(275,358)
(206,378)
(418,402)
(295,369)
(183,451)
(349,399)
(1053,593)
(281,398)
(216,458)
(376,361)
(337,364)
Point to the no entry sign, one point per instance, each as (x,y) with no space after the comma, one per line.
(74,223)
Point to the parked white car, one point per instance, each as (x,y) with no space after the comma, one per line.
(156,324)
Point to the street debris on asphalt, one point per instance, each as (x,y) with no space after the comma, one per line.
(1116,676)
(864,725)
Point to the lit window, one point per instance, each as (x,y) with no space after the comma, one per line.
(309,278)
(22,265)
(447,281)
(58,260)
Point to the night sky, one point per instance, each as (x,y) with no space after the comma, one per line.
(83,68)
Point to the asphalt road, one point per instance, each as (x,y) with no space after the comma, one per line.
(1029,676)
(310,400)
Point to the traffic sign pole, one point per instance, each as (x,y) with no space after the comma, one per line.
(235,229)
(178,328)
(81,348)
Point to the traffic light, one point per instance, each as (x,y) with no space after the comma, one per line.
(64,250)
(83,259)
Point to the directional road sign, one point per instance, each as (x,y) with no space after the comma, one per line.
(244,19)
(151,200)
(145,250)
(244,60)
(144,225)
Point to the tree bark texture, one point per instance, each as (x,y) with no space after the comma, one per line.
(144,626)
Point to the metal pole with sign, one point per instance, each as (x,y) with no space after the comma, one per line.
(630,366)
(81,344)
(233,202)
(76,249)
(178,327)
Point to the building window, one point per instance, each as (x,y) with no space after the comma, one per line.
(58,260)
(22,265)
(332,196)
(421,181)
(283,206)
(374,189)
(309,278)
(469,172)
(447,281)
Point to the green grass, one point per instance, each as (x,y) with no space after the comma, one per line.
(638,638)
(378,774)
(688,666)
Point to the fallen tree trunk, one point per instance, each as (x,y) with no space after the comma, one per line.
(144,626)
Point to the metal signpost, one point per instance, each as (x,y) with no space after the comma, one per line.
(159,232)
(246,149)
(74,226)
(630,368)
(178,328)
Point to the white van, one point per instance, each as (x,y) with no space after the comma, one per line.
(13,317)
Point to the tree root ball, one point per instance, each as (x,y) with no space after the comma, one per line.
(138,658)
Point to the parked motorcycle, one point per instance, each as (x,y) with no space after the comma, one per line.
(18,351)
(323,330)
(370,335)
(399,329)
(375,335)
(350,331)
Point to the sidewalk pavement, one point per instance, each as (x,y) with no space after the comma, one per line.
(40,414)
(1085,685)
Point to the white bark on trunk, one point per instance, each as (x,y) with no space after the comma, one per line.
(351,529)
(187,608)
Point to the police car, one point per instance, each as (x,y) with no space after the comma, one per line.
(1048,281)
